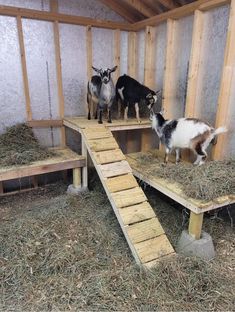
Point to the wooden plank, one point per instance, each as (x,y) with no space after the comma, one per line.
(170,88)
(149,60)
(60,95)
(24,68)
(144,230)
(103,145)
(154,248)
(195,225)
(85,168)
(169,4)
(1,188)
(120,9)
(62,18)
(136,213)
(151,264)
(141,7)
(117,53)
(89,51)
(64,159)
(226,94)
(45,123)
(132,54)
(97,133)
(146,140)
(121,183)
(192,107)
(179,12)
(129,197)
(34,180)
(106,157)
(115,169)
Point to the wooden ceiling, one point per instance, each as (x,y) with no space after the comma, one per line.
(138,10)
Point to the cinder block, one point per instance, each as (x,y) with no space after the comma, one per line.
(76,190)
(202,248)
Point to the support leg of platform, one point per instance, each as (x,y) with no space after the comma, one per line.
(77,177)
(1,187)
(195,225)
(84,169)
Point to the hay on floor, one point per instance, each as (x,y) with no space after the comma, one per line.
(18,146)
(206,182)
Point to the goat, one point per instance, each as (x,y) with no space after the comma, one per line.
(130,92)
(190,133)
(100,89)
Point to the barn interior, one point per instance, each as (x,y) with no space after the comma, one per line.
(184,48)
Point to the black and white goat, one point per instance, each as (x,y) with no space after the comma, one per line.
(100,90)
(130,92)
(190,133)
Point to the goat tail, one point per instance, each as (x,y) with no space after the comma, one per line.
(220,130)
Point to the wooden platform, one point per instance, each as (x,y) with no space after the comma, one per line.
(144,233)
(64,159)
(175,190)
(79,123)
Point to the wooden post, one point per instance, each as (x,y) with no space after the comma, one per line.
(149,60)
(225,101)
(195,225)
(89,61)
(1,187)
(54,8)
(132,54)
(24,68)
(77,177)
(149,77)
(169,88)
(34,181)
(117,50)
(192,108)
(85,168)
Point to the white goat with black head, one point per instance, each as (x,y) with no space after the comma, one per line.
(190,133)
(100,89)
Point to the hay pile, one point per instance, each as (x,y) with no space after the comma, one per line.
(18,146)
(60,254)
(206,182)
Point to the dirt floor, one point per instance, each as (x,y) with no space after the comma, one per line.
(62,253)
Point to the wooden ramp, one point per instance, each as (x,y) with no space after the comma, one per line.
(144,233)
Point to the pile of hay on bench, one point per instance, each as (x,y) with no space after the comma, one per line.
(207,182)
(18,146)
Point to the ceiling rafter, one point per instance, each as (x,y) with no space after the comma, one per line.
(120,9)
(169,4)
(141,7)
(154,5)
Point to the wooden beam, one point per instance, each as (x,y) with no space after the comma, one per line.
(53,7)
(62,18)
(24,68)
(120,9)
(45,123)
(203,5)
(149,59)
(117,53)
(89,51)
(195,225)
(169,84)
(192,107)
(141,7)
(226,94)
(132,54)
(169,4)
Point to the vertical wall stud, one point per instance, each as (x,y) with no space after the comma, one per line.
(89,60)
(117,52)
(169,89)
(132,54)
(54,8)
(225,101)
(24,68)
(192,108)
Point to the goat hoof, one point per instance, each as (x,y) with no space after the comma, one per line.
(100,122)
(109,121)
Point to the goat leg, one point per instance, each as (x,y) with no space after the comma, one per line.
(137,112)
(125,113)
(109,116)
(177,152)
(100,115)
(166,155)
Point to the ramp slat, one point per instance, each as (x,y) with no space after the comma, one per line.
(106,157)
(154,248)
(97,133)
(145,230)
(121,183)
(115,169)
(136,213)
(104,144)
(129,197)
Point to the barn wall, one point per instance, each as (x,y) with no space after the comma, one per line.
(41,64)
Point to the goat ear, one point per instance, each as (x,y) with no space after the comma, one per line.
(113,69)
(95,69)
(149,96)
(158,92)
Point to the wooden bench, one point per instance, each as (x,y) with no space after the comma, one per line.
(64,159)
